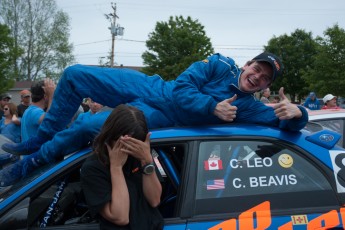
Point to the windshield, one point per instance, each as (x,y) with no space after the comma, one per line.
(69,161)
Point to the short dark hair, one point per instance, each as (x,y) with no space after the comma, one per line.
(37,91)
(123,120)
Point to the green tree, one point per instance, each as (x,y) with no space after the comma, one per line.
(174,45)
(296,51)
(42,32)
(8,53)
(328,75)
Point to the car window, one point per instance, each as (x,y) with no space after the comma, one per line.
(60,201)
(8,191)
(233,175)
(169,160)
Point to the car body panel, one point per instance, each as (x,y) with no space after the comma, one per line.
(182,179)
(325,113)
(332,119)
(264,220)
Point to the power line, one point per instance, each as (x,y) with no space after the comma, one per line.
(88,43)
(120,39)
(237,48)
(128,53)
(130,40)
(249,47)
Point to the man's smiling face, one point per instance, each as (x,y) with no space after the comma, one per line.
(256,76)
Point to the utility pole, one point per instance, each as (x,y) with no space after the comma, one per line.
(114,30)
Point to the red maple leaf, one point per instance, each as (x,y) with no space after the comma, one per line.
(213,164)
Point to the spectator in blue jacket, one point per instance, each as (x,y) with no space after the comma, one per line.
(312,102)
(212,91)
(42,96)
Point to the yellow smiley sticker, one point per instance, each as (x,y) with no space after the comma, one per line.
(285,160)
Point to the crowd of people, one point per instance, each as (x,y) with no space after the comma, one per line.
(311,102)
(18,127)
(211,91)
(329,102)
(20,122)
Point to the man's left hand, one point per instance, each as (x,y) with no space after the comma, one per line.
(285,110)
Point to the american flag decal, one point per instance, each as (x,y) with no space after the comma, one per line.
(215,184)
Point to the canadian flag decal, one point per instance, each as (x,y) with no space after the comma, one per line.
(213,164)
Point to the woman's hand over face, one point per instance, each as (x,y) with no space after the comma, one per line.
(117,156)
(140,150)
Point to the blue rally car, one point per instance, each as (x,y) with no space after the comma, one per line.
(240,177)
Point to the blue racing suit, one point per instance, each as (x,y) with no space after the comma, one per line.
(109,87)
(189,100)
(79,135)
(204,84)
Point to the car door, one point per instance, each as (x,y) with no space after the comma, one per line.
(49,198)
(257,183)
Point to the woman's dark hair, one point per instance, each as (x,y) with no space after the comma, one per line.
(37,91)
(124,120)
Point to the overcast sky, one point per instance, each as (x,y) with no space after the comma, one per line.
(237,29)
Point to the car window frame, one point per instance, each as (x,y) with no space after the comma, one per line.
(191,163)
(44,178)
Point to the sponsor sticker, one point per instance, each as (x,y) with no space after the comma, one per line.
(299,219)
(285,160)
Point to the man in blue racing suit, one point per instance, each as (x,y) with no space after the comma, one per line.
(212,91)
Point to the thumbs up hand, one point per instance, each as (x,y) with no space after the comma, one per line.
(285,110)
(225,111)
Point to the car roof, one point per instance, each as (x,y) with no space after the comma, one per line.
(216,130)
(325,113)
(232,130)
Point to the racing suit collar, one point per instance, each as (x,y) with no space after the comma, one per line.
(234,87)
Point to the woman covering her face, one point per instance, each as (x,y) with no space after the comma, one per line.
(119,180)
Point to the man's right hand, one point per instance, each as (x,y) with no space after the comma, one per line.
(225,111)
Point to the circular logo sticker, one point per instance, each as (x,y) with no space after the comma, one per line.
(285,160)
(326,137)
